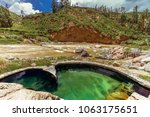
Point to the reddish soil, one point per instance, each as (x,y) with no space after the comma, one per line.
(82,34)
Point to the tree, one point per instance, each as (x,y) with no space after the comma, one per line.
(146,13)
(54,5)
(22,13)
(5,18)
(6,6)
(135,15)
(123,18)
(65,3)
(144,22)
(123,9)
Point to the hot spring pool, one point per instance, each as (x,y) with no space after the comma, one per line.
(73,84)
(84,85)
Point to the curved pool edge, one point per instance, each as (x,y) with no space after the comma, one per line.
(136,79)
(52,70)
(44,68)
(40,95)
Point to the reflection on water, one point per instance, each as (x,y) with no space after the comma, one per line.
(88,85)
(73,84)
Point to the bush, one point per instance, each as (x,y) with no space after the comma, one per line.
(5,19)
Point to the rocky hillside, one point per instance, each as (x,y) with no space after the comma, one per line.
(5,19)
(73,25)
(69,24)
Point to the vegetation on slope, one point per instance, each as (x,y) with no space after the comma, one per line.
(87,17)
(5,19)
(41,27)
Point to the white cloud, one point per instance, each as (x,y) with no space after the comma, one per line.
(18,5)
(26,7)
(92,3)
(142,4)
(8,2)
(129,4)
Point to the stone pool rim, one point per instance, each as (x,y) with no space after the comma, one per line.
(52,70)
(131,77)
(44,68)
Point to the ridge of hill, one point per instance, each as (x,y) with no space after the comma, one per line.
(77,20)
(73,24)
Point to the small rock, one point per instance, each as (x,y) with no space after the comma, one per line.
(135,52)
(79,50)
(97,46)
(136,96)
(118,56)
(127,64)
(104,54)
(84,54)
(137,59)
(117,53)
(44,43)
(116,64)
(137,64)
(33,64)
(11,58)
(59,51)
(146,60)
(147,67)
(94,50)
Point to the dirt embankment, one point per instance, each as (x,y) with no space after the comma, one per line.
(82,34)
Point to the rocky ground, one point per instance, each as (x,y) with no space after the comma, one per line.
(133,61)
(18,92)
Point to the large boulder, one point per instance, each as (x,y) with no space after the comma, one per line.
(12,91)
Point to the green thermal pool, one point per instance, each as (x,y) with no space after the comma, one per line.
(74,84)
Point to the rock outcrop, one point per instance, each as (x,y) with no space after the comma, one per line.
(115,53)
(142,62)
(82,52)
(147,67)
(136,96)
(12,91)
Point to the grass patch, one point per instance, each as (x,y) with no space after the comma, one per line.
(7,66)
(147,78)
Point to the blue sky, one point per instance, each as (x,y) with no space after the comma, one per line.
(41,5)
(37,6)
(28,6)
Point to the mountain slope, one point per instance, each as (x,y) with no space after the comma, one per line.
(70,25)
(86,21)
(5,19)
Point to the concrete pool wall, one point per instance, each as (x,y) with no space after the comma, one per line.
(107,70)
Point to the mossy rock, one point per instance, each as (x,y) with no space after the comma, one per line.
(117,96)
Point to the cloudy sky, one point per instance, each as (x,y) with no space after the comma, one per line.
(36,6)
